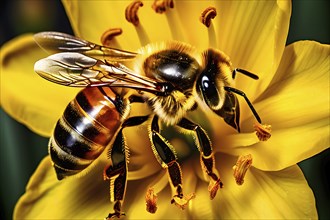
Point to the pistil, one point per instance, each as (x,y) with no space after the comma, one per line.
(242,165)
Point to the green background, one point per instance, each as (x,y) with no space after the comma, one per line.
(22,150)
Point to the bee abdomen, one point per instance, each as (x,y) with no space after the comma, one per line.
(85,129)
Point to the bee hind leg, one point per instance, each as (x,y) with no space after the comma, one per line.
(116,172)
(166,156)
(207,155)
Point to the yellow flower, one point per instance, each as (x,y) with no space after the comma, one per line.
(287,96)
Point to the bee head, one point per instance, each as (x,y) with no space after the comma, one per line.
(215,74)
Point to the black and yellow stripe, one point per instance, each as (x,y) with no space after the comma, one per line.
(87,126)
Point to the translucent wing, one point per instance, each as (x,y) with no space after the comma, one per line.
(55,42)
(78,70)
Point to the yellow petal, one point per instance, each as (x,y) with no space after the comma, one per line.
(25,96)
(87,197)
(299,92)
(48,198)
(90,19)
(284,194)
(296,104)
(253,34)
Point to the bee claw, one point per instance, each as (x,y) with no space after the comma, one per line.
(182,201)
(115,215)
(214,187)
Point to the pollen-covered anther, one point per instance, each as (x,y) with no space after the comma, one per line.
(182,201)
(151,201)
(109,35)
(131,12)
(213,188)
(208,14)
(242,165)
(160,6)
(263,132)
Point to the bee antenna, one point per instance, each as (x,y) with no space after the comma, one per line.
(241,93)
(244,72)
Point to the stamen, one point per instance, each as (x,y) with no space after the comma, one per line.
(206,17)
(132,17)
(160,6)
(262,131)
(208,14)
(242,165)
(131,12)
(109,35)
(151,201)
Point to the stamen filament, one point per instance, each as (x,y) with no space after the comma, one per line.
(131,15)
(162,6)
(242,165)
(206,17)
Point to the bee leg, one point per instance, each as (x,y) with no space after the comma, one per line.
(166,156)
(207,155)
(117,170)
(117,174)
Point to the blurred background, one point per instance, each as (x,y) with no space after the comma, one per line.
(21,150)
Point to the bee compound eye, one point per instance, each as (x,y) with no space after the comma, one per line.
(209,91)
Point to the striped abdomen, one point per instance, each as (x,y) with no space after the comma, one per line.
(87,126)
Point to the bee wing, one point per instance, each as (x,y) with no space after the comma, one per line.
(55,42)
(78,70)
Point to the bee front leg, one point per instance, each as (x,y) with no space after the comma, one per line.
(166,156)
(207,155)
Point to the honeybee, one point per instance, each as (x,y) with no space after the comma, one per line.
(171,78)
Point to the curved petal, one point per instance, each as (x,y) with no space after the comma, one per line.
(253,34)
(48,198)
(296,104)
(284,194)
(25,96)
(86,197)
